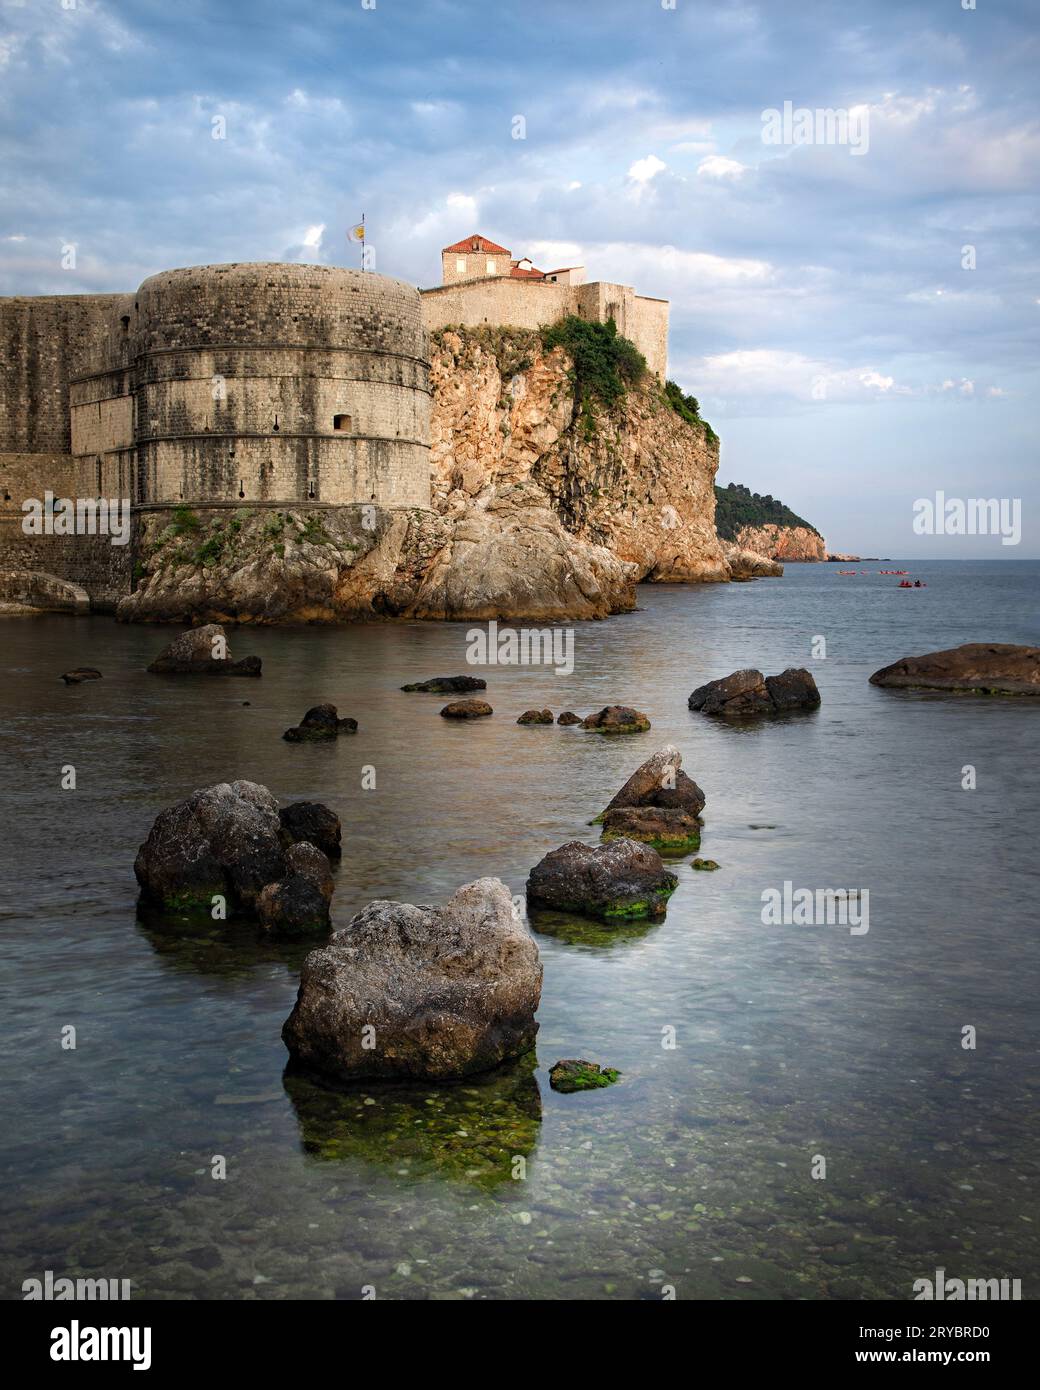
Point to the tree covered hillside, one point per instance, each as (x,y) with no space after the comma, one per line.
(737,506)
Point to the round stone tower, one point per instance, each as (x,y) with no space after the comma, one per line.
(280,383)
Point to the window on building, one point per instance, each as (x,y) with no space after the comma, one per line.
(341,422)
(491,267)
(460,265)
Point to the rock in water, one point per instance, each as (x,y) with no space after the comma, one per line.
(203,651)
(227,840)
(994,668)
(428,993)
(617,719)
(447,685)
(568,717)
(81,673)
(660,781)
(618,880)
(665,828)
(575,1074)
(314,823)
(320,724)
(467,709)
(704,865)
(749,692)
(536,716)
(298,903)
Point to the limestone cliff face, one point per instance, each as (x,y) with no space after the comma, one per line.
(640,482)
(539,511)
(782,542)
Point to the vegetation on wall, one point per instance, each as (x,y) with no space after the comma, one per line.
(605,363)
(688,408)
(737,506)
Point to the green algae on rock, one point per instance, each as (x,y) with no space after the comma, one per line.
(575,1074)
(704,864)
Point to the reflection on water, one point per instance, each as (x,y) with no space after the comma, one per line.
(744,1050)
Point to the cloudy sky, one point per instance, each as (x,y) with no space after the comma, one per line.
(823,306)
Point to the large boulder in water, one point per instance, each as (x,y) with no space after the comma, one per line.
(616,881)
(320,724)
(227,840)
(983,668)
(428,993)
(749,692)
(668,829)
(298,903)
(446,685)
(617,719)
(203,651)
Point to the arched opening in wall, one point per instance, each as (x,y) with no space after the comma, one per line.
(342,422)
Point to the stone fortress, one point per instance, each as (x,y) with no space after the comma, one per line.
(250,385)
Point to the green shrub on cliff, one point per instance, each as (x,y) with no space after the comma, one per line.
(605,364)
(737,506)
(687,408)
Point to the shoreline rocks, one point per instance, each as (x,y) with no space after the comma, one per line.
(203,651)
(617,719)
(979,668)
(320,724)
(748,692)
(620,880)
(419,992)
(568,718)
(229,842)
(659,805)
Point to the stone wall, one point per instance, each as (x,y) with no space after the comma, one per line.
(533,304)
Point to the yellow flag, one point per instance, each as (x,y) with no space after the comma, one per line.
(358,233)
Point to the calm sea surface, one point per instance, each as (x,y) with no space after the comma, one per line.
(695,1170)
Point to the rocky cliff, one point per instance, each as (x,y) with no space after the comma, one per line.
(782,542)
(543,508)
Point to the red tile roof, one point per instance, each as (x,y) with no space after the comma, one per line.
(478,243)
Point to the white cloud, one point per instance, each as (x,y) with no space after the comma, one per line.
(717,166)
(643,170)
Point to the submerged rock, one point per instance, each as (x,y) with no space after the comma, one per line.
(574,1074)
(536,716)
(81,673)
(617,719)
(749,692)
(320,724)
(704,865)
(618,880)
(314,823)
(447,685)
(569,717)
(225,841)
(420,992)
(203,651)
(467,709)
(983,668)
